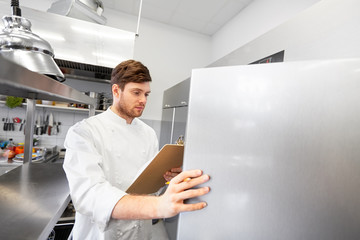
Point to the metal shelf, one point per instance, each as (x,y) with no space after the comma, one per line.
(59,108)
(16,80)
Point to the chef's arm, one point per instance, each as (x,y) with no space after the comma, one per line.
(167,205)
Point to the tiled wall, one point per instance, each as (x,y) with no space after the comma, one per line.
(67,118)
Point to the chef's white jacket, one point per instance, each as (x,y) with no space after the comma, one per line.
(103,156)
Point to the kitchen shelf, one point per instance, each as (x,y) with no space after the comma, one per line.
(60,108)
(16,80)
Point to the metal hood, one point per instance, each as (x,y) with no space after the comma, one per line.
(83,71)
(20,45)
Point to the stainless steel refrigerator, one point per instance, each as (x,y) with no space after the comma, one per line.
(281,143)
(174,113)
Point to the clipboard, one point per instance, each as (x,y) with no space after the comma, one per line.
(151,179)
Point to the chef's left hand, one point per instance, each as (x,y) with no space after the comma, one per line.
(172,173)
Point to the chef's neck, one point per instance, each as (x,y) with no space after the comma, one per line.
(118,112)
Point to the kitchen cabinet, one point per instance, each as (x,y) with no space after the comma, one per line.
(16,80)
(177,96)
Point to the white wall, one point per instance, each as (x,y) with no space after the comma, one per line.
(327,30)
(170,54)
(256,19)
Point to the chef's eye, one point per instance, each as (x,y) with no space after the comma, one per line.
(146,94)
(137,93)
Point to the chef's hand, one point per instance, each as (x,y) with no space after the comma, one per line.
(171,202)
(172,173)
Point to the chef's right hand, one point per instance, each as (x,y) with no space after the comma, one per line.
(172,203)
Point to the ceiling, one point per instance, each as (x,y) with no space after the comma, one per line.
(201,16)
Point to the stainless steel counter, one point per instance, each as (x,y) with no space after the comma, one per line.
(32,198)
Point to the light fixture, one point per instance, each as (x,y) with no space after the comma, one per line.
(20,45)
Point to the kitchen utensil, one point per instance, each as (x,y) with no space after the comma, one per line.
(12,125)
(4,127)
(22,124)
(51,123)
(16,120)
(58,127)
(38,126)
(44,127)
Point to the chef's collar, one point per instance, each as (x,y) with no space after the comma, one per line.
(119,119)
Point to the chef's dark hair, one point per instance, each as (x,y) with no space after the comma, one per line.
(130,71)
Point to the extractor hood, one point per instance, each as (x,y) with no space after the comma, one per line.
(83,71)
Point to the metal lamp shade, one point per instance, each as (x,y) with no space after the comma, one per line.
(20,45)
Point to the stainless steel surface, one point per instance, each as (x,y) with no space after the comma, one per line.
(20,45)
(178,95)
(281,144)
(29,130)
(86,72)
(90,79)
(174,113)
(5,168)
(172,125)
(179,123)
(33,197)
(166,126)
(16,80)
(91,9)
(91,110)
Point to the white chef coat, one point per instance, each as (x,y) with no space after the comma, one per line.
(103,155)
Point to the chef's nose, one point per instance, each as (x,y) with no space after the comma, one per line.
(143,98)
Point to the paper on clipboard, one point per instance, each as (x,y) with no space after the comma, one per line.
(151,179)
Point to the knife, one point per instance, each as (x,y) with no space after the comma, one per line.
(51,123)
(22,124)
(38,128)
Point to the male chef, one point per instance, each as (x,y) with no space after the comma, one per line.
(104,154)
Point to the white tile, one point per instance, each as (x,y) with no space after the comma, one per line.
(3,137)
(60,142)
(19,112)
(66,118)
(62,131)
(48,141)
(18,139)
(80,116)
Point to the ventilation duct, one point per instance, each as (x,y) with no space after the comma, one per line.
(86,72)
(80,9)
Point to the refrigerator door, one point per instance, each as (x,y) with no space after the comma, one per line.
(281,144)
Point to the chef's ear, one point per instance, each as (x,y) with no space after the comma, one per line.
(115,90)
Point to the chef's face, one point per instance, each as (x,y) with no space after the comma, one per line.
(131,101)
